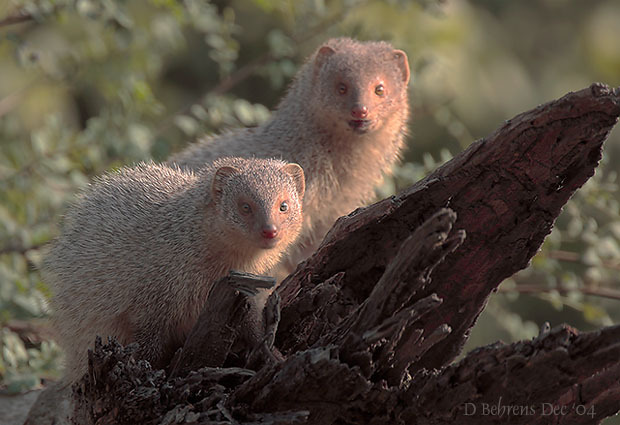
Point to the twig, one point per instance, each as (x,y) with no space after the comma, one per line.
(17,18)
(575,257)
(247,70)
(536,289)
(240,74)
(21,15)
(222,87)
(8,103)
(19,249)
(11,100)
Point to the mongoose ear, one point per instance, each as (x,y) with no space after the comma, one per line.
(403,64)
(324,53)
(219,180)
(297,173)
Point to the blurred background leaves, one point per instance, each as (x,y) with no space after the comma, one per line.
(86,86)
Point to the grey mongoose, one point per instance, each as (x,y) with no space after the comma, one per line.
(343,119)
(141,248)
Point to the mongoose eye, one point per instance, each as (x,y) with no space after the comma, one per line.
(379,90)
(245,208)
(284,207)
(342,88)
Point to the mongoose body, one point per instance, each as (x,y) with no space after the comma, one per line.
(343,120)
(141,248)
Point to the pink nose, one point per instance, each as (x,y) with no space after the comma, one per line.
(359,112)
(270,231)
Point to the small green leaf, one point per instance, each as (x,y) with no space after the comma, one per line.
(244,111)
(187,124)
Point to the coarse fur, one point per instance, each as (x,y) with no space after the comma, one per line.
(315,126)
(141,248)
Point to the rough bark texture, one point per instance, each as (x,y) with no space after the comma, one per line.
(506,189)
(230,326)
(370,323)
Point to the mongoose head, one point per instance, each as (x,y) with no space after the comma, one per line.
(359,85)
(258,202)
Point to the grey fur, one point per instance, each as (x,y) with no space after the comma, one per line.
(311,127)
(141,248)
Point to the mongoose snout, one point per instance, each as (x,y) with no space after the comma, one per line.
(359,123)
(270,231)
(359,112)
(269,237)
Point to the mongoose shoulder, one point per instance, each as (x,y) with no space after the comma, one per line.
(141,248)
(343,119)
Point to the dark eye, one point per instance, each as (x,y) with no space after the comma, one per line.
(342,88)
(379,90)
(245,208)
(284,207)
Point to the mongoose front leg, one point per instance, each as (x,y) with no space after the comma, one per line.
(152,348)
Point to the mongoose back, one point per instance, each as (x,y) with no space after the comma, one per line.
(343,120)
(141,248)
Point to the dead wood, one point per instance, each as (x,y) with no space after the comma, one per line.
(228,318)
(370,323)
(506,189)
(560,376)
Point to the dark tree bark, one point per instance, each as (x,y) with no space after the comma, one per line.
(229,325)
(371,322)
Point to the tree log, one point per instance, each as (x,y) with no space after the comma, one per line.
(506,189)
(560,376)
(229,325)
(371,322)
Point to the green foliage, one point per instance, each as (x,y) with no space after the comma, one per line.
(90,85)
(23,368)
